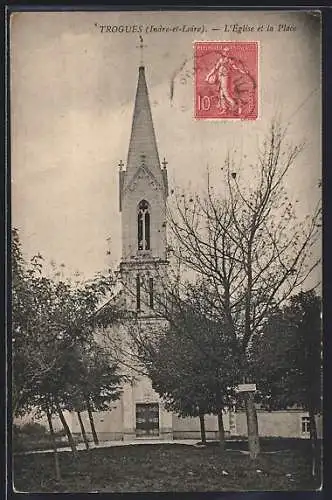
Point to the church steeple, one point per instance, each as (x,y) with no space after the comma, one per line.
(143,139)
(143,183)
(143,150)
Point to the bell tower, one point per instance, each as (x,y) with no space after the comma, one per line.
(143,191)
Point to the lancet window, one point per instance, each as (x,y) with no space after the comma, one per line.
(151,292)
(138,292)
(143,225)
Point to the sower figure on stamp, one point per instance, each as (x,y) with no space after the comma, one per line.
(221,73)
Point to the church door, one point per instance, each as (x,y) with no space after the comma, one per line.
(147,419)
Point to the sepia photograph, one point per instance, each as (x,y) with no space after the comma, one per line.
(166,240)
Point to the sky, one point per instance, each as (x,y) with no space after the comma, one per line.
(72,96)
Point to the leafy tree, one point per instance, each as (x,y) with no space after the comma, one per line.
(192,362)
(53,321)
(95,383)
(33,358)
(248,244)
(287,359)
(31,339)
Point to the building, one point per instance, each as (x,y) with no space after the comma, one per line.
(143,191)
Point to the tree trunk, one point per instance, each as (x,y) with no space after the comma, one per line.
(69,434)
(92,424)
(202,424)
(221,431)
(314,443)
(252,424)
(56,455)
(85,439)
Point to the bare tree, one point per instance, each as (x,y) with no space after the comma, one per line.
(248,245)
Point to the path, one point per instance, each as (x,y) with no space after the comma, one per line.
(110,444)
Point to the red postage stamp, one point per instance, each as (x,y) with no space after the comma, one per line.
(226,80)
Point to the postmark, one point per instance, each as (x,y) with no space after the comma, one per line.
(226,80)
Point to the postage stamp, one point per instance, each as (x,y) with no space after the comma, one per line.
(226,80)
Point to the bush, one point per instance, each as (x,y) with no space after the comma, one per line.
(33,429)
(60,433)
(16,430)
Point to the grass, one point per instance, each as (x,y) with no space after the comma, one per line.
(24,442)
(165,467)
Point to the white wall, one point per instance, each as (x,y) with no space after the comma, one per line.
(189,427)
(287,423)
(108,423)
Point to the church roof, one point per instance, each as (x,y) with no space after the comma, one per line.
(143,151)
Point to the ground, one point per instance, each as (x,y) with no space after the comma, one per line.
(168,467)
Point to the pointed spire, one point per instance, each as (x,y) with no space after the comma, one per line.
(143,142)
(141,46)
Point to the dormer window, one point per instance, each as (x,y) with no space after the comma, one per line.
(143,225)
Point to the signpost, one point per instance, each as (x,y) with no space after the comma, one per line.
(253,438)
(245,388)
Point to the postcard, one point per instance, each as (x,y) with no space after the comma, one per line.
(166,173)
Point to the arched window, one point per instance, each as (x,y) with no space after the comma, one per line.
(143,226)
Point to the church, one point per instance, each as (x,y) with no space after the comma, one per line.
(139,413)
(143,192)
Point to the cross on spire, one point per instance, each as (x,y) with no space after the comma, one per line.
(164,163)
(121,164)
(141,46)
